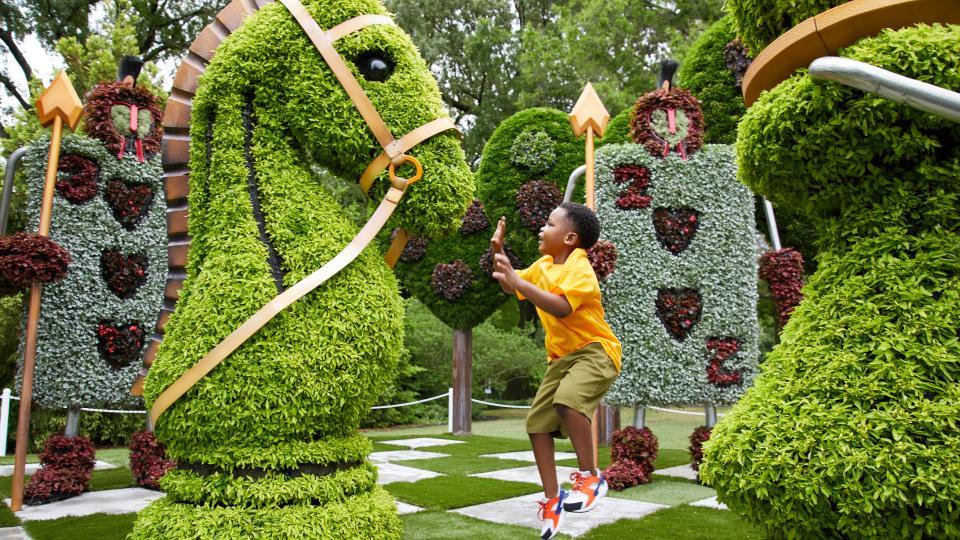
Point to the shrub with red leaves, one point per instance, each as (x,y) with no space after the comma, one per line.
(736,57)
(78,184)
(782,269)
(699,436)
(119,345)
(603,258)
(486,260)
(719,350)
(129,201)
(451,281)
(124,274)
(148,460)
(535,200)
(625,474)
(474,220)
(66,466)
(637,178)
(27,257)
(100,118)
(641,126)
(632,455)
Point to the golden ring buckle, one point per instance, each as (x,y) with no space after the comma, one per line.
(404,183)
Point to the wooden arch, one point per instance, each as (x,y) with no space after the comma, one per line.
(176,157)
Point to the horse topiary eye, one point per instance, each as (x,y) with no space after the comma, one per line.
(375,66)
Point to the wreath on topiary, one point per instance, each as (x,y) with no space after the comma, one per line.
(125,118)
(668,119)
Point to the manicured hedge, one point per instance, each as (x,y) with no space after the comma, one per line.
(705,74)
(758,22)
(850,431)
(296,392)
(87,354)
(660,368)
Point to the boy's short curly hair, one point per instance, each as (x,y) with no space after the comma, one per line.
(585,223)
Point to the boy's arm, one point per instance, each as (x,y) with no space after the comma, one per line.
(496,246)
(554,304)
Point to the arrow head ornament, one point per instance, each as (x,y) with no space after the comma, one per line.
(589,112)
(60,100)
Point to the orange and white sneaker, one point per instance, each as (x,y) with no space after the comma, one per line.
(586,492)
(551,515)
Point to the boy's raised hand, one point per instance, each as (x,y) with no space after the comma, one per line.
(496,242)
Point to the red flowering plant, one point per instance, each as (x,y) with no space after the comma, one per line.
(123,274)
(129,201)
(603,258)
(119,345)
(637,178)
(699,436)
(675,229)
(475,219)
(632,455)
(451,281)
(736,58)
(486,260)
(77,181)
(719,350)
(678,311)
(125,118)
(535,200)
(66,464)
(148,459)
(27,257)
(782,269)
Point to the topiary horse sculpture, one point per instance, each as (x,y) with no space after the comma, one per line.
(266,441)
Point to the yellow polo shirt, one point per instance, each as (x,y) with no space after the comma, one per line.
(586,324)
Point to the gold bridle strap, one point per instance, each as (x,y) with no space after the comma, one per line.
(392,157)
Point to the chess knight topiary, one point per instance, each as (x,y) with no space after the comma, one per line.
(267,442)
(850,431)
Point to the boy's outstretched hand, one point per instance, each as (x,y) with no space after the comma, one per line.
(502,269)
(496,242)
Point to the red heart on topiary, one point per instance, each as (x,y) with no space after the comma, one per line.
(119,345)
(124,274)
(129,201)
(675,228)
(679,311)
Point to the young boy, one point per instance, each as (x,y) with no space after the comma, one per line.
(583,353)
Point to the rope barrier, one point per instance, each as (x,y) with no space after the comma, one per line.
(674,411)
(112,411)
(445,394)
(500,404)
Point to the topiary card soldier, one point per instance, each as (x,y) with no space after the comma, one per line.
(266,439)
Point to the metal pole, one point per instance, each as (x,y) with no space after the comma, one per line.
(639,416)
(572,182)
(897,88)
(12,162)
(710,410)
(73,422)
(450,410)
(772,224)
(4,420)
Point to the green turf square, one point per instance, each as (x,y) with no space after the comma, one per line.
(95,527)
(439,525)
(446,492)
(463,465)
(668,492)
(681,522)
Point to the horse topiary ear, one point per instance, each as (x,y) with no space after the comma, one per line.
(130,67)
(668,68)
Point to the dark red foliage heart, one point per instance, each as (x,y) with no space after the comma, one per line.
(129,201)
(679,311)
(720,350)
(675,229)
(474,220)
(124,274)
(486,260)
(78,184)
(637,178)
(119,345)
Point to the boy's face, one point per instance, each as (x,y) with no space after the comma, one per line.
(557,234)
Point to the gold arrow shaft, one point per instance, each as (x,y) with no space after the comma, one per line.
(591,204)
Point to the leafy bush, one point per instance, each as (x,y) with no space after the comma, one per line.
(534,151)
(783,270)
(700,435)
(705,74)
(758,22)
(148,461)
(632,454)
(66,464)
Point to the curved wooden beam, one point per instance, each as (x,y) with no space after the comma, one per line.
(826,33)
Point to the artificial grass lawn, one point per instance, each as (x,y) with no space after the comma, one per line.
(446,492)
(114,456)
(94,527)
(668,492)
(679,523)
(463,465)
(437,525)
(120,477)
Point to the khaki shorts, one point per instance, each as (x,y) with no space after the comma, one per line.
(578,380)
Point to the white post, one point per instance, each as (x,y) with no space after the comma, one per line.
(772,224)
(4,420)
(710,411)
(639,416)
(449,410)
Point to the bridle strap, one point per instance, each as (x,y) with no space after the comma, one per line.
(403,144)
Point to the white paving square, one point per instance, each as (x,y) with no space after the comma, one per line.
(7,470)
(523,511)
(680,471)
(13,533)
(404,508)
(421,442)
(528,456)
(710,503)
(388,473)
(111,501)
(403,455)
(529,474)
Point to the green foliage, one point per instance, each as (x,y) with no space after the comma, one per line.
(618,130)
(533,150)
(93,527)
(864,384)
(720,262)
(69,368)
(758,22)
(445,492)
(11,309)
(705,75)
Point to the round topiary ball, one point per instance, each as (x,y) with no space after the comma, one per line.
(534,151)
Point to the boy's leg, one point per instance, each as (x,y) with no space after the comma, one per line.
(543,452)
(580,431)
